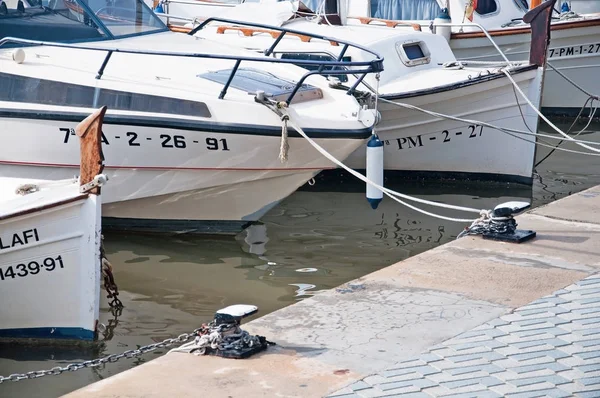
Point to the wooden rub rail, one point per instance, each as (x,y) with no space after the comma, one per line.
(388,22)
(274,34)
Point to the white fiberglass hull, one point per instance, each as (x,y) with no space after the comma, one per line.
(167,178)
(574,50)
(49,262)
(419,143)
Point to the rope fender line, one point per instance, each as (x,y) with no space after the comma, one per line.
(390,193)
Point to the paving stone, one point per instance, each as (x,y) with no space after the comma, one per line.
(497,322)
(589,368)
(404,377)
(589,381)
(487,381)
(409,395)
(589,321)
(555,354)
(422,370)
(588,355)
(587,394)
(549,392)
(589,343)
(587,301)
(359,385)
(592,310)
(471,369)
(445,377)
(552,342)
(487,343)
(554,331)
(430,357)
(548,348)
(474,394)
(572,362)
(595,289)
(372,393)
(588,332)
(375,379)
(409,363)
(554,380)
(553,366)
(408,374)
(489,355)
(343,393)
(588,282)
(417,385)
(540,311)
(490,332)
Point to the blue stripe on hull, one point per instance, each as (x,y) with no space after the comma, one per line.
(48,333)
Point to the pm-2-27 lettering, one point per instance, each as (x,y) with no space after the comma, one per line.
(472,131)
(169,141)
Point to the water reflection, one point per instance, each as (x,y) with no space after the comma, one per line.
(318,238)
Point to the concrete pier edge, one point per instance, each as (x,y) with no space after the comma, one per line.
(351,341)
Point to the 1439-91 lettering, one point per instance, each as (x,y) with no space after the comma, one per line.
(31,268)
(134,139)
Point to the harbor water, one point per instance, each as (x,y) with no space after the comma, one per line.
(316,239)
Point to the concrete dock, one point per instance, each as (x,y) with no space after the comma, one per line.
(472,318)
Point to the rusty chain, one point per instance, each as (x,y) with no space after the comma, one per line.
(182,338)
(110,286)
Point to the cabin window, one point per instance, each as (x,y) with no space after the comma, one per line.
(405,9)
(252,80)
(485,7)
(522,4)
(319,57)
(39,91)
(413,53)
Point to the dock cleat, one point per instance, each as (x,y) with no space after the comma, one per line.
(500,224)
(223,336)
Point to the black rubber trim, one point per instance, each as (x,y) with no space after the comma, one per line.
(191,125)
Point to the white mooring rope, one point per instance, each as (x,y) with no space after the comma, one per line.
(391,193)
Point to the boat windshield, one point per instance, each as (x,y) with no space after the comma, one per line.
(118,17)
(76,20)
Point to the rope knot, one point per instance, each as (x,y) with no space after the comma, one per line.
(285,146)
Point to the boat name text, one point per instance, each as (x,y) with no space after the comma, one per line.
(31,268)
(20,239)
(473,131)
(166,140)
(574,50)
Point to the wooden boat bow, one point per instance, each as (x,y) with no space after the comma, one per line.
(539,18)
(89,131)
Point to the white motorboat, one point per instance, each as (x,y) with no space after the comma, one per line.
(50,237)
(575,48)
(420,70)
(190,145)
(574,51)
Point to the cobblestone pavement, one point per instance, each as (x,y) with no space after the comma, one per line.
(548,348)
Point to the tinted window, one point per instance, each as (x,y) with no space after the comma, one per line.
(318,57)
(121,17)
(414,51)
(48,92)
(486,7)
(522,4)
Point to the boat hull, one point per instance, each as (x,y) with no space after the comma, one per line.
(574,50)
(418,143)
(184,179)
(51,282)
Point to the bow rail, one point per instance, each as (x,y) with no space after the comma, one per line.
(361,68)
